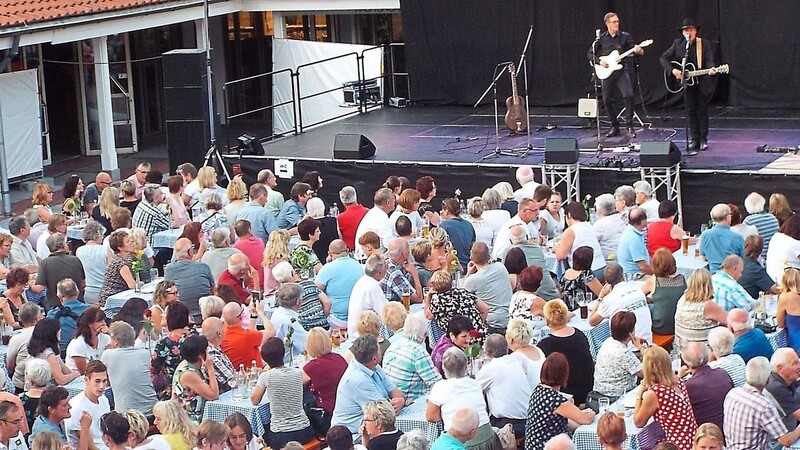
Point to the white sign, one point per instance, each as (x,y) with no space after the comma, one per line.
(284,168)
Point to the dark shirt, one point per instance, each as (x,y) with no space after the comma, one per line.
(676,52)
(581,365)
(622,42)
(786,396)
(751,344)
(55,268)
(755,278)
(328,231)
(385,441)
(462,235)
(511,206)
(707,389)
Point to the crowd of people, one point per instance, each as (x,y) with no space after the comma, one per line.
(470,307)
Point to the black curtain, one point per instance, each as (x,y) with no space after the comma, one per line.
(452,47)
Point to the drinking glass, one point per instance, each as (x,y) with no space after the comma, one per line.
(336,337)
(153,275)
(602,405)
(234,384)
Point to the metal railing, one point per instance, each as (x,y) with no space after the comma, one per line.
(228,86)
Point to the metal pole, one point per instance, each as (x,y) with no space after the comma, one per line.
(4,173)
(209,85)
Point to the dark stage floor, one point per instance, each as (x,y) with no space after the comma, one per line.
(467,135)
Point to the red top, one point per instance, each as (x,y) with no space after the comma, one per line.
(348,223)
(253,247)
(658,237)
(241,292)
(242,346)
(325,373)
(675,415)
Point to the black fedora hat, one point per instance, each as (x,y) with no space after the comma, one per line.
(688,23)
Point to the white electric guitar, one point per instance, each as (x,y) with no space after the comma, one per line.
(613,59)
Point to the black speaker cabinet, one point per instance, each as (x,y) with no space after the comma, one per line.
(659,154)
(560,151)
(186,106)
(352,146)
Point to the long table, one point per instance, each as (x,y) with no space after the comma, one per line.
(686,264)
(585,436)
(596,335)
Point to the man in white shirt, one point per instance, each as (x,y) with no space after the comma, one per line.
(285,317)
(367,293)
(646,199)
(191,186)
(22,253)
(620,295)
(528,216)
(377,219)
(91,400)
(527,184)
(505,385)
(11,418)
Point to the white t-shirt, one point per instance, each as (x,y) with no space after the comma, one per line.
(496,219)
(506,386)
(42,251)
(79,347)
(78,405)
(483,231)
(366,295)
(628,297)
(456,393)
(378,222)
(502,241)
(157,442)
(526,191)
(533,369)
(16,443)
(585,237)
(651,208)
(783,252)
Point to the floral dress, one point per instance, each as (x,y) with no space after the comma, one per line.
(570,287)
(166,358)
(447,304)
(192,402)
(303,258)
(210,220)
(113,283)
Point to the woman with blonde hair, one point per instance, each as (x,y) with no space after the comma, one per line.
(174,425)
(663,397)
(276,250)
(323,372)
(165,292)
(141,251)
(107,203)
(508,202)
(789,306)
(696,312)
(780,208)
(41,198)
(442,248)
(236,192)
(128,191)
(518,337)
(137,437)
(47,440)
(394,316)
(708,437)
(206,184)
(484,231)
(211,306)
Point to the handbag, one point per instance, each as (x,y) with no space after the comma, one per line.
(593,400)
(506,436)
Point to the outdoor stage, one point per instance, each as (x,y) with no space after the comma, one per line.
(457,145)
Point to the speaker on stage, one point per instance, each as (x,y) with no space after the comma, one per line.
(352,146)
(659,154)
(560,151)
(186,106)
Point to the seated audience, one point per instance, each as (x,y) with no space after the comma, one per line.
(303,258)
(573,345)
(618,370)
(611,431)
(461,232)
(749,341)
(211,306)
(294,209)
(217,257)
(259,220)
(315,308)
(394,317)
(663,291)
(445,301)
(339,437)
(44,345)
(37,377)
(138,438)
(17,356)
(505,385)
(241,276)
(253,246)
(720,241)
(766,224)
(350,216)
(609,225)
(524,302)
(783,385)
(91,339)
(531,357)
(720,340)
(118,276)
(580,234)
(166,353)
(323,372)
(459,333)
(754,278)
(94,258)
(52,411)
(401,274)
(632,252)
(193,278)
(696,313)
(533,255)
(707,386)
(174,425)
(114,429)
(620,295)
(376,220)
(285,318)
(378,431)
(214,330)
(13,297)
(579,281)
(338,278)
(240,344)
(211,435)
(549,412)
(407,362)
(708,436)
(424,260)
(728,293)
(484,229)
(68,311)
(367,293)
(129,371)
(241,437)
(164,294)
(488,281)
(664,233)
(788,315)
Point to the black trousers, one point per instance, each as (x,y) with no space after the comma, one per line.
(618,83)
(697,111)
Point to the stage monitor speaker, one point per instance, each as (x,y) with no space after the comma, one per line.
(587,107)
(352,146)
(659,154)
(560,151)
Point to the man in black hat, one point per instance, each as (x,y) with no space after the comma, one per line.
(618,81)
(698,54)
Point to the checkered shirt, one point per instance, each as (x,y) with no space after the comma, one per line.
(751,421)
(223,367)
(734,365)
(729,294)
(150,218)
(395,282)
(410,367)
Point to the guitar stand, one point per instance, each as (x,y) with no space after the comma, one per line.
(636,118)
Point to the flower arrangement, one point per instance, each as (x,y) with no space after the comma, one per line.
(586,202)
(473,349)
(148,327)
(72,205)
(136,267)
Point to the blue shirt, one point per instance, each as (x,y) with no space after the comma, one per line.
(337,279)
(718,242)
(290,215)
(447,442)
(261,221)
(462,235)
(68,324)
(751,344)
(730,294)
(359,386)
(42,424)
(282,321)
(631,249)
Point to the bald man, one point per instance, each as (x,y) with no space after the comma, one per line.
(92,193)
(214,331)
(750,342)
(194,278)
(401,274)
(241,276)
(527,184)
(337,278)
(243,345)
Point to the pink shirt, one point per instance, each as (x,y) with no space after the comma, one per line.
(253,247)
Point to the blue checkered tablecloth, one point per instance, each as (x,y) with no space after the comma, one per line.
(258,416)
(75,232)
(77,386)
(585,436)
(778,339)
(166,239)
(412,417)
(596,335)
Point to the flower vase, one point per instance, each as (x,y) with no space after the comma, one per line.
(138,284)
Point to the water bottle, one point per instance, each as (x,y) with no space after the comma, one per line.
(253,375)
(241,391)
(334,210)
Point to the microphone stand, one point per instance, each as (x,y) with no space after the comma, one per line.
(684,85)
(596,83)
(523,62)
(493,88)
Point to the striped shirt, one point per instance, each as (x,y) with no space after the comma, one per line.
(284,387)
(751,421)
(734,365)
(729,294)
(766,224)
(410,367)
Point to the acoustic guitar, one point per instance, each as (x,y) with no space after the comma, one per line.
(675,85)
(613,59)
(516,119)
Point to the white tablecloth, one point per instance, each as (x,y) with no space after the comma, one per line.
(166,239)
(117,301)
(687,264)
(75,232)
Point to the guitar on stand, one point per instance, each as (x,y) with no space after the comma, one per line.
(614,59)
(515,109)
(675,85)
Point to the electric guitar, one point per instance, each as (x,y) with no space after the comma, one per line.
(613,59)
(515,111)
(675,85)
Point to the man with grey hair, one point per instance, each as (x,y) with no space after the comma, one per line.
(22,251)
(505,385)
(560,442)
(214,330)
(534,256)
(413,440)
(262,222)
(609,226)
(646,199)
(706,386)
(367,293)
(29,314)
(193,278)
(217,257)
(750,341)
(528,185)
(751,420)
(720,339)
(489,282)
(401,274)
(241,276)
(407,362)
(463,428)
(728,293)
(620,295)
(351,216)
(139,178)
(338,277)
(720,241)
(377,219)
(129,371)
(285,317)
(11,416)
(624,201)
(58,266)
(37,226)
(783,384)
(364,381)
(275,197)
(68,309)
(766,224)
(148,214)
(632,251)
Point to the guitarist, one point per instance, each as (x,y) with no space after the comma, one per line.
(620,80)
(701,55)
